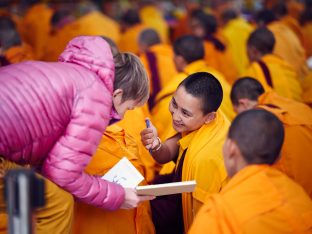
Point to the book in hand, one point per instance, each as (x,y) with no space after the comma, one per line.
(124,173)
(167,188)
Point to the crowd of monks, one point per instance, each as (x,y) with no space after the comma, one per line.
(272,48)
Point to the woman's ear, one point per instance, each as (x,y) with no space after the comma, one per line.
(210,117)
(117,92)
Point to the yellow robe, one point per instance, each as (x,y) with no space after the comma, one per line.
(20,53)
(284,78)
(35,27)
(222,61)
(258,199)
(204,163)
(164,63)
(295,160)
(97,24)
(288,47)
(152,17)
(133,123)
(161,116)
(129,39)
(114,145)
(237,32)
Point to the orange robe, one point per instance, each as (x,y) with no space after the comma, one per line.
(258,199)
(97,24)
(59,39)
(20,53)
(293,24)
(295,160)
(115,144)
(236,33)
(204,163)
(222,61)
(159,64)
(129,39)
(288,47)
(152,17)
(35,27)
(284,78)
(133,123)
(161,116)
(307,35)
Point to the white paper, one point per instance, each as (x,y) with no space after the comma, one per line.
(124,173)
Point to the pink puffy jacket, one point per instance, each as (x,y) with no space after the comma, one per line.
(52,116)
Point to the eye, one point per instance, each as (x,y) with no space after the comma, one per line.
(174,104)
(186,114)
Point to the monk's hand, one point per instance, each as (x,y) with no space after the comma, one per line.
(149,137)
(132,200)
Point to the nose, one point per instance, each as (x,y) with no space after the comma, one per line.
(175,115)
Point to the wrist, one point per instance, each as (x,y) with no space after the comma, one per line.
(158,146)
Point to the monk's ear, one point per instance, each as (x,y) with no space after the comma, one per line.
(231,156)
(210,117)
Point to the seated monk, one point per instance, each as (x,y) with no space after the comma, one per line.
(295,160)
(258,198)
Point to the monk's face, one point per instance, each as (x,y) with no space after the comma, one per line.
(186,111)
(197,29)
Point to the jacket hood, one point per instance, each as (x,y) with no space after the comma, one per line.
(93,53)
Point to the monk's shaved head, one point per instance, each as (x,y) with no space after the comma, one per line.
(262,39)
(149,37)
(259,135)
(246,87)
(205,86)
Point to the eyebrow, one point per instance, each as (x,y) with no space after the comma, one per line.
(185,110)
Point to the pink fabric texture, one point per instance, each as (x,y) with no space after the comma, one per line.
(53,115)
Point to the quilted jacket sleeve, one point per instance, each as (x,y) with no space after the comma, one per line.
(72,152)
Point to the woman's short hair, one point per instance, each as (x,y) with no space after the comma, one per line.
(131,77)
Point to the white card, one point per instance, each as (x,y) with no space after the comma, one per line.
(124,173)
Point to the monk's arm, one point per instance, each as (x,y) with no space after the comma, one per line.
(167,151)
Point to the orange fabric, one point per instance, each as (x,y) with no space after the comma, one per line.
(307,35)
(20,53)
(258,199)
(284,78)
(293,24)
(59,40)
(97,24)
(288,47)
(35,27)
(152,17)
(182,27)
(222,61)
(134,123)
(129,39)
(203,163)
(114,145)
(307,89)
(295,8)
(237,32)
(296,160)
(165,63)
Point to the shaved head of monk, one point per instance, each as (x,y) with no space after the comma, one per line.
(245,93)
(255,137)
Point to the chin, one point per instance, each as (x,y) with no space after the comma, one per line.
(178,128)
